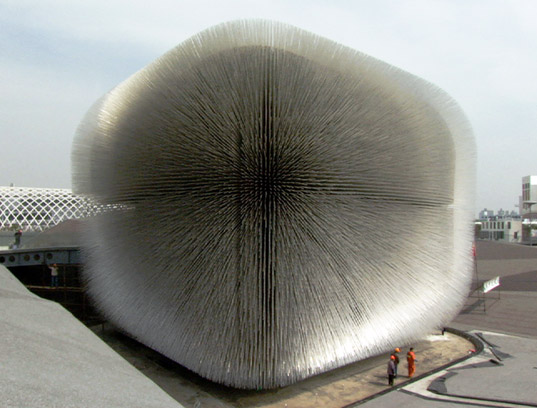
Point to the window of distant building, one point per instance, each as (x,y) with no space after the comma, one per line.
(526,191)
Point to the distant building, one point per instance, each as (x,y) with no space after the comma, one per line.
(507,229)
(529,210)
(504,226)
(485,214)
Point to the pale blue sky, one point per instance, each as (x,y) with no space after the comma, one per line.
(58,56)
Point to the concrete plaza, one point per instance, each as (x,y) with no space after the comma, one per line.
(53,360)
(505,373)
(507,381)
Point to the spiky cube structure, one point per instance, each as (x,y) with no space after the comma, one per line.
(290,205)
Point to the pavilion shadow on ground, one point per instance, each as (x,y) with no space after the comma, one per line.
(150,362)
(336,388)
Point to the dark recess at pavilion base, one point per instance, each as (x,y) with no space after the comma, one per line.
(70,292)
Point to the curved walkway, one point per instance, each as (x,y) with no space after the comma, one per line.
(503,375)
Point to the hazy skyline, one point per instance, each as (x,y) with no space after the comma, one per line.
(59,56)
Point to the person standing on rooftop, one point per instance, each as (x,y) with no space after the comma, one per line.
(53,275)
(17,242)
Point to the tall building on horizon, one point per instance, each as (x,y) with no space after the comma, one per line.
(485,213)
(528,209)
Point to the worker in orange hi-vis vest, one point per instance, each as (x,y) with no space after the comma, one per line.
(411,360)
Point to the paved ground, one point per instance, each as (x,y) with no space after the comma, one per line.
(512,308)
(509,381)
(514,359)
(334,389)
(503,375)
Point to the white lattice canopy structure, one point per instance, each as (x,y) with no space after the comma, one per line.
(293,205)
(37,209)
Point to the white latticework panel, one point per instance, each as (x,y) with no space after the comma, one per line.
(37,209)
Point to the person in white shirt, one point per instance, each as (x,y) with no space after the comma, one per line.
(53,275)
